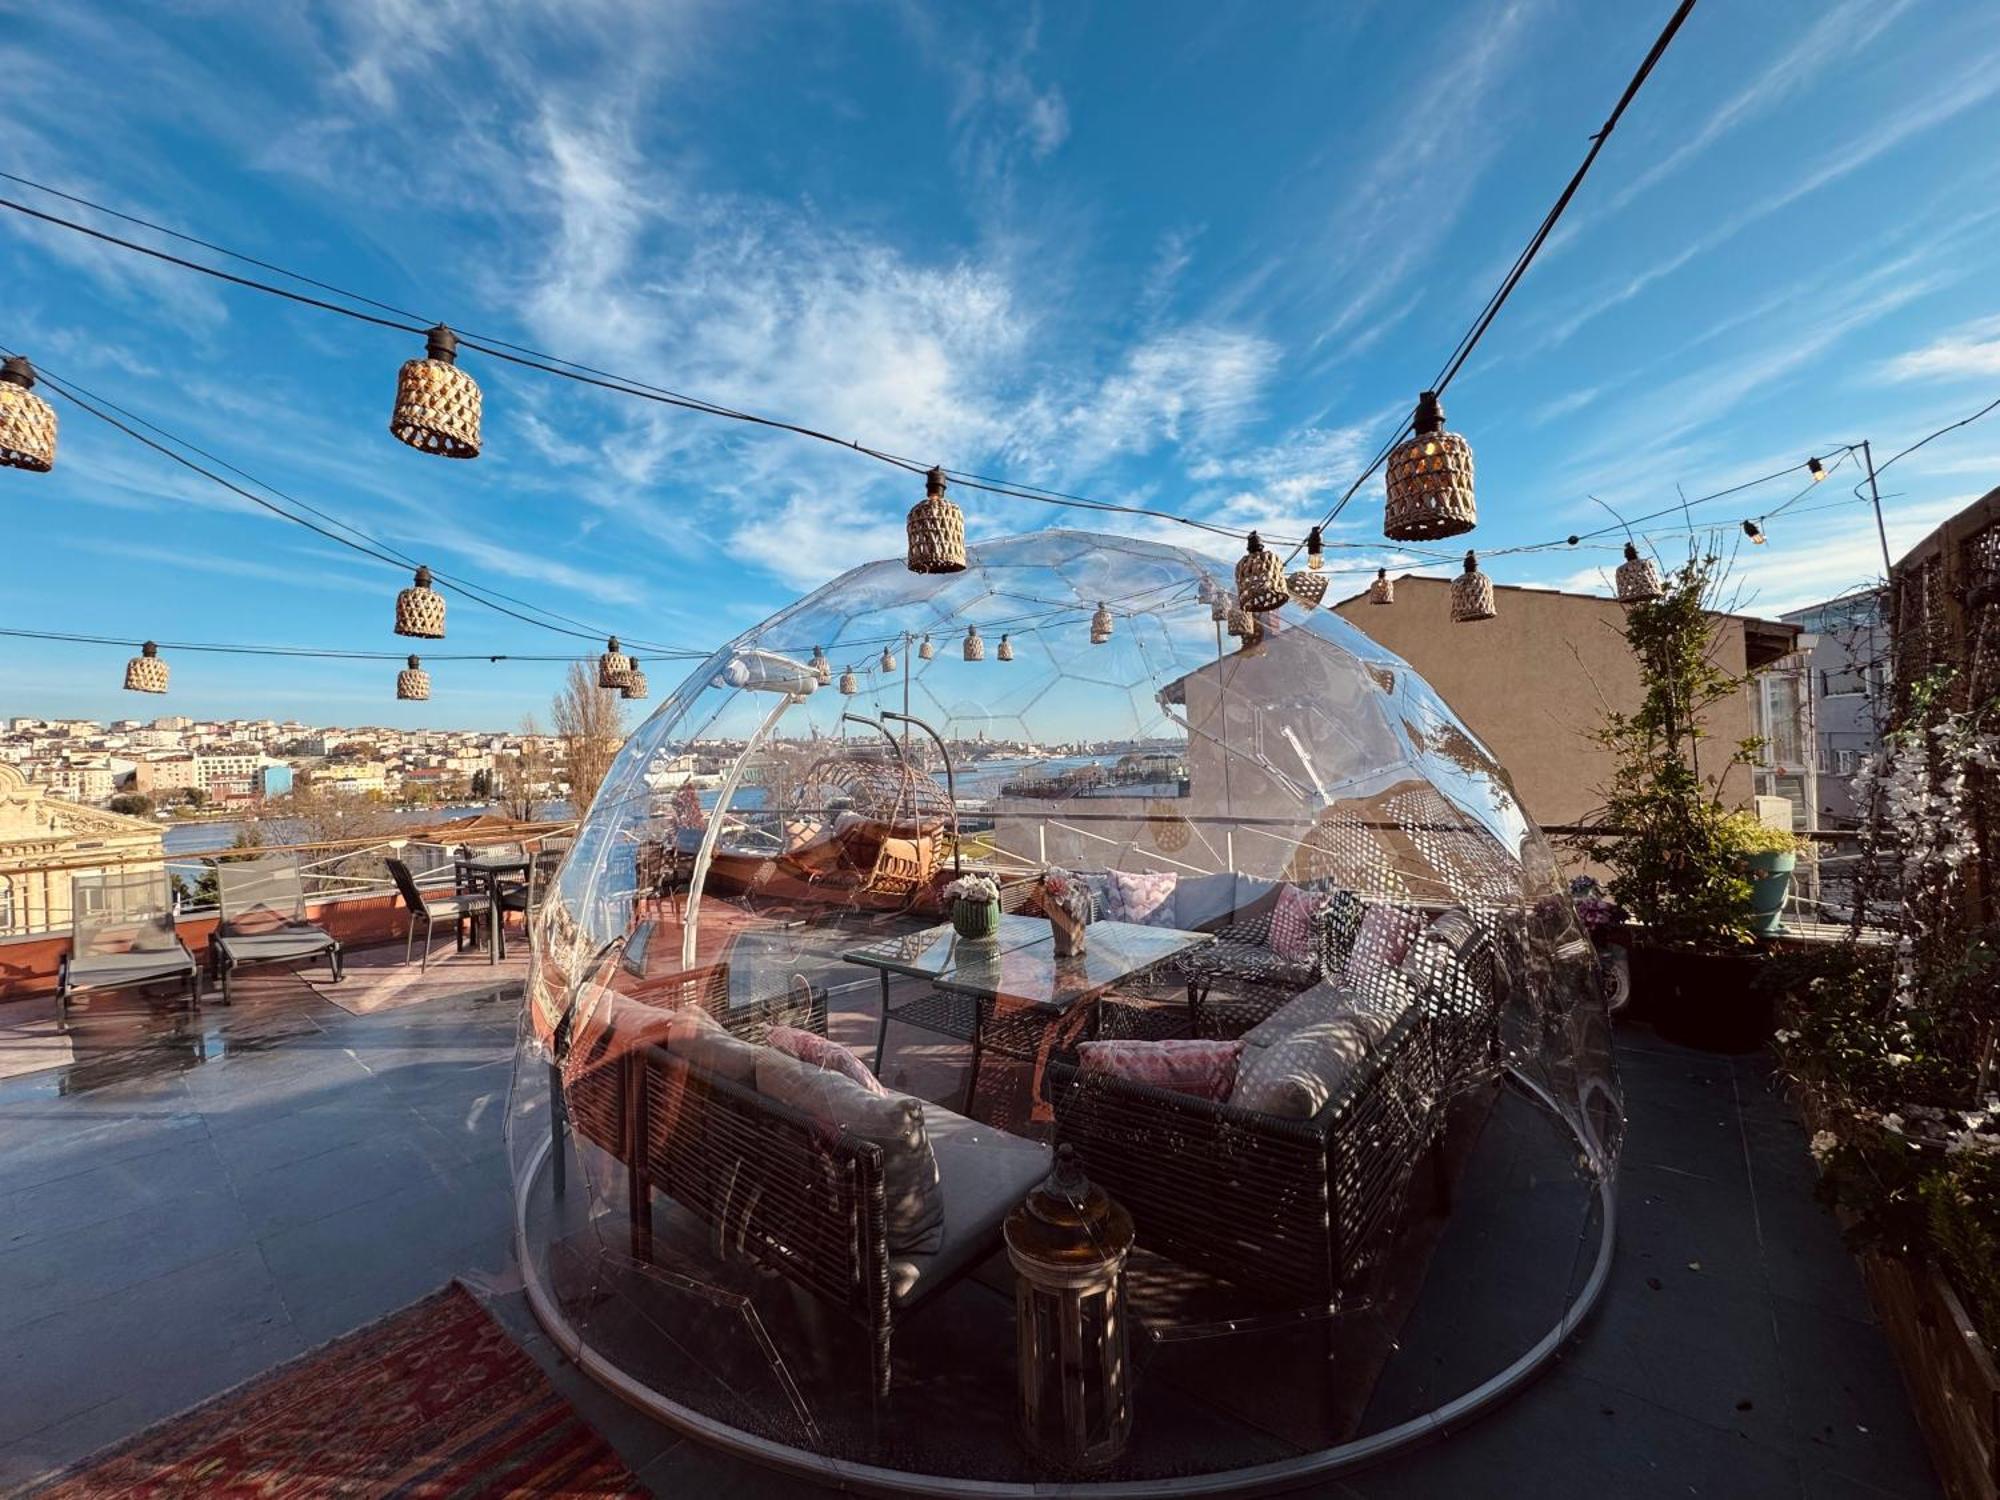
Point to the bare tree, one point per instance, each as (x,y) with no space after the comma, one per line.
(589,726)
(520,781)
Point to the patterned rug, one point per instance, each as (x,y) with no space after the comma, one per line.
(434,1401)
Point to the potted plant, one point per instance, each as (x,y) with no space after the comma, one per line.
(1066,900)
(974,903)
(1769,856)
(1678,867)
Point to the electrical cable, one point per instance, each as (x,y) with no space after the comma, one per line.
(325,653)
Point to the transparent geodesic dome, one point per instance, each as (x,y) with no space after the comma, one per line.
(1270,954)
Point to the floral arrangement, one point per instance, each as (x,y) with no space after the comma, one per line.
(974,888)
(1067,891)
(1594,909)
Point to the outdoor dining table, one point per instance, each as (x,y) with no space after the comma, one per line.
(482,872)
(1014,976)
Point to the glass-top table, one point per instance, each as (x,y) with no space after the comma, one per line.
(1014,973)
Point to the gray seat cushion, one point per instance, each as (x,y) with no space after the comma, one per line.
(268,947)
(97,971)
(984,1172)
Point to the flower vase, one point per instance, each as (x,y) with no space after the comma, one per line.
(1070,934)
(975,920)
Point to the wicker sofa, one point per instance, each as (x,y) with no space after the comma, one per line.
(1291,1206)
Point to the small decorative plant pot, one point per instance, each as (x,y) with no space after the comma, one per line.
(1770,883)
(975,920)
(1071,935)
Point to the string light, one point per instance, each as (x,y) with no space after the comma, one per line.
(635,684)
(925,650)
(1471,594)
(1755,532)
(27,422)
(1383,589)
(936,530)
(1100,625)
(888,661)
(614,665)
(420,609)
(822,668)
(146,673)
(437,404)
(1260,578)
(1307,588)
(1315,550)
(413,683)
(1430,480)
(1815,468)
(1006,652)
(1638,578)
(975,648)
(849,683)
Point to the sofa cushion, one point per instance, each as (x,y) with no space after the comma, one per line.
(895,1122)
(1297,1074)
(1201,900)
(1141,896)
(816,1051)
(694,1034)
(1387,997)
(1205,1069)
(984,1172)
(1292,923)
(1383,941)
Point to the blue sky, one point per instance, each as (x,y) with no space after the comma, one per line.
(1194,257)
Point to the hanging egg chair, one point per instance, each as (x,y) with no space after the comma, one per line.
(1430,480)
(420,609)
(1472,594)
(27,422)
(146,673)
(936,530)
(413,683)
(1260,578)
(437,404)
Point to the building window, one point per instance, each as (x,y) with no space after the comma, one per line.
(6,907)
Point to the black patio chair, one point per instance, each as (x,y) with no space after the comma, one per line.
(463,907)
(527,898)
(264,918)
(122,935)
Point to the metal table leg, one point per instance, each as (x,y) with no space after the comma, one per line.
(882,1027)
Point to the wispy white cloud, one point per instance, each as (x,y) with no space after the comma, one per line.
(1972,350)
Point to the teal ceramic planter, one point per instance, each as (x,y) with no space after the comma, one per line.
(973,920)
(1770,882)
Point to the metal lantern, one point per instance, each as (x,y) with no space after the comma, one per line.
(1638,578)
(975,648)
(1218,606)
(1307,587)
(1430,480)
(1315,550)
(1260,578)
(1241,622)
(1383,589)
(1100,626)
(635,684)
(936,530)
(1068,1242)
(27,422)
(413,683)
(1471,594)
(888,660)
(437,404)
(420,609)
(925,650)
(614,665)
(146,673)
(849,683)
(822,668)
(1006,651)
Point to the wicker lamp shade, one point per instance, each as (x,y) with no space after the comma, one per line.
(1242,623)
(1218,606)
(420,609)
(1472,594)
(849,683)
(888,660)
(1006,651)
(27,422)
(635,684)
(975,648)
(413,683)
(437,404)
(1383,589)
(1260,578)
(1100,626)
(1430,480)
(614,665)
(1638,578)
(822,668)
(936,530)
(146,673)
(925,650)
(1307,588)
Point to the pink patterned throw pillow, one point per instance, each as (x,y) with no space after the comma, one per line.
(816,1051)
(1136,896)
(1291,923)
(1385,937)
(1206,1070)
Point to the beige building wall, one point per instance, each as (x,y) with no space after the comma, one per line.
(1534,682)
(45,843)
